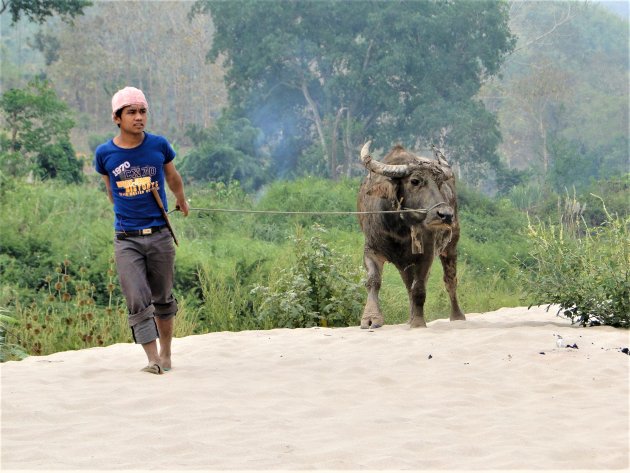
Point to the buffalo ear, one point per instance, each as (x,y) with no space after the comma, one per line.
(383,189)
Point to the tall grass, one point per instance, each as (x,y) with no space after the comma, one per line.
(59,285)
(584,269)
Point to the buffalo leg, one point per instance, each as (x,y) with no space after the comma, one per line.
(372,315)
(415,277)
(449,264)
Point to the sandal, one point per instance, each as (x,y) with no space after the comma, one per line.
(153,369)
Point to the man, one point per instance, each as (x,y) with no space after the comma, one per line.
(131,164)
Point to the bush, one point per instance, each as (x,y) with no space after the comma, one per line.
(58,161)
(583,269)
(319,288)
(8,350)
(311,195)
(225,153)
(613,191)
(492,232)
(38,126)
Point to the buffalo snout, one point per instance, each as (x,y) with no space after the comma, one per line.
(446,216)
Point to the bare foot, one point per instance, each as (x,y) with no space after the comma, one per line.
(166,362)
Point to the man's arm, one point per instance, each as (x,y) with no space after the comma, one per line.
(176,185)
(108,187)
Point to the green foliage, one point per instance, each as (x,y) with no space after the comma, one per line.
(561,117)
(531,197)
(8,350)
(65,315)
(571,165)
(540,200)
(57,161)
(228,152)
(317,288)
(44,274)
(202,224)
(38,134)
(492,232)
(396,71)
(586,270)
(508,179)
(614,191)
(43,223)
(40,10)
(310,195)
(226,305)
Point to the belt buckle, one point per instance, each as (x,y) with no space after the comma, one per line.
(146,231)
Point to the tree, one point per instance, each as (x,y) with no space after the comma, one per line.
(340,71)
(40,10)
(91,59)
(38,138)
(562,96)
(225,153)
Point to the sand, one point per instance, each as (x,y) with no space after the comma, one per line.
(493,392)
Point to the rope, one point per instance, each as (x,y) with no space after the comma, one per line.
(332,212)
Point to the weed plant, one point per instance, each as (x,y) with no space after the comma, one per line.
(8,349)
(226,304)
(584,269)
(58,283)
(316,287)
(64,316)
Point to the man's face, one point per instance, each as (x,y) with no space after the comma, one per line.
(133,119)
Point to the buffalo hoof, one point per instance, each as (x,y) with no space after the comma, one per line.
(417,322)
(457,316)
(372,322)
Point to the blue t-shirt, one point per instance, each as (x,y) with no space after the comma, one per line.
(132,174)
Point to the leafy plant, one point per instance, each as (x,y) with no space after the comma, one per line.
(8,350)
(318,288)
(332,72)
(38,134)
(226,153)
(586,270)
(311,195)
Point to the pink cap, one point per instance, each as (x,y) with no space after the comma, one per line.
(127,96)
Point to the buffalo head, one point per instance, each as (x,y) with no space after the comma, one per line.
(414,183)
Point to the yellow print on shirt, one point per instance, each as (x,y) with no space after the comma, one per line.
(136,186)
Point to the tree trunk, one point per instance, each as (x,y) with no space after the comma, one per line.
(318,120)
(347,144)
(545,152)
(333,144)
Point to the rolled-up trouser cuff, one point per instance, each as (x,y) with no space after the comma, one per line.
(146,313)
(143,325)
(145,331)
(167,310)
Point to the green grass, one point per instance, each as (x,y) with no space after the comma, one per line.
(51,231)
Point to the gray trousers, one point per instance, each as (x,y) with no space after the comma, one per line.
(145,266)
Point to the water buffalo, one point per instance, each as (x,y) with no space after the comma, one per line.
(409,240)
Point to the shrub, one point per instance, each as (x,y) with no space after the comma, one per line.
(227,305)
(583,269)
(38,125)
(492,232)
(614,191)
(227,152)
(319,287)
(8,351)
(311,195)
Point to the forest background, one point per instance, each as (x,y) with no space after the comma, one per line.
(267,104)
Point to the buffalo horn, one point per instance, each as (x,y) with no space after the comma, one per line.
(439,156)
(387,170)
(444,165)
